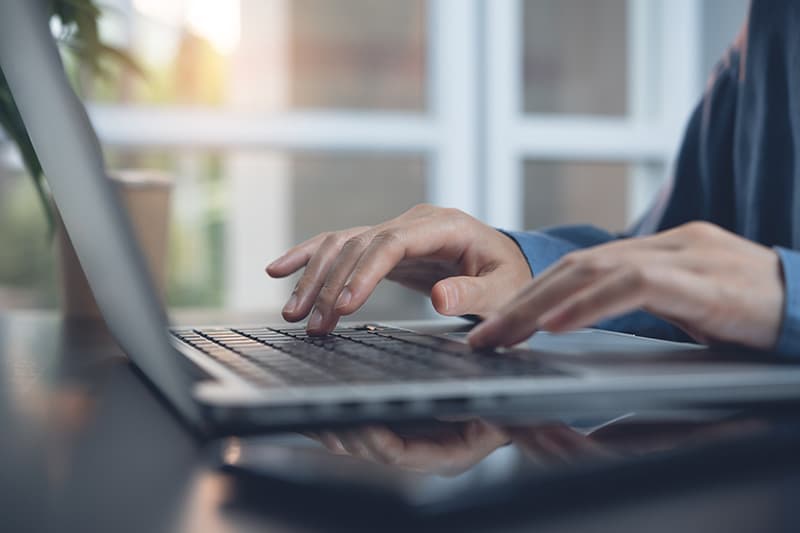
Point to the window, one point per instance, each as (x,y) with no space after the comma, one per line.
(271,113)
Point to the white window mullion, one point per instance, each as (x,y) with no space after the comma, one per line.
(258,225)
(565,137)
(676,47)
(645,93)
(503,42)
(236,129)
(453,97)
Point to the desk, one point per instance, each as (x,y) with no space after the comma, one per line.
(86,446)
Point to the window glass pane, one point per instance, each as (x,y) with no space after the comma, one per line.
(341,191)
(268,54)
(358,54)
(575,56)
(26,259)
(576,193)
(318,192)
(722,20)
(322,192)
(199,204)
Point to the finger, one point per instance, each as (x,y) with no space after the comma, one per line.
(419,453)
(331,441)
(578,445)
(383,253)
(525,312)
(386,446)
(447,453)
(400,240)
(333,291)
(519,319)
(298,256)
(304,294)
(610,296)
(548,449)
(295,258)
(668,291)
(466,445)
(354,442)
(463,295)
(539,442)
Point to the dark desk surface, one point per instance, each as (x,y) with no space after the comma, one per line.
(85,446)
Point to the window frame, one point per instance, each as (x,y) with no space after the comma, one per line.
(473,132)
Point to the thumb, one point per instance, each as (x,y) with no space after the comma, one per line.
(462,295)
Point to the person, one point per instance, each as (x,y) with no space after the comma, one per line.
(714,259)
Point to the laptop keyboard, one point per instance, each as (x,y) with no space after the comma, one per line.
(368,354)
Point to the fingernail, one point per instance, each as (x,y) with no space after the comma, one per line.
(316,320)
(344,298)
(291,304)
(452,297)
(274,263)
(448,297)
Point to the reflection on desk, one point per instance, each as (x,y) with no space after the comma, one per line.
(87,446)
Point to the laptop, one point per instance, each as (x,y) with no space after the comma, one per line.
(236,380)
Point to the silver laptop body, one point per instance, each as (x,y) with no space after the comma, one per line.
(585,373)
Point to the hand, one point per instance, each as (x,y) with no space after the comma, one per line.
(449,450)
(715,285)
(464,265)
(557,443)
(455,447)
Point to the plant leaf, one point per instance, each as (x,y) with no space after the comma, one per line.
(81,37)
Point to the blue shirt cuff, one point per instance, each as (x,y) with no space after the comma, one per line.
(789,337)
(541,250)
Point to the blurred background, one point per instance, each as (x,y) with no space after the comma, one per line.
(279,119)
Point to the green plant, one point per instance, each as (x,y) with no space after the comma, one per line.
(79,38)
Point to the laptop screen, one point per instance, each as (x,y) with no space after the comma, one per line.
(70,154)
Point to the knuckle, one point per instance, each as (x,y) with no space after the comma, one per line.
(572,259)
(421,208)
(637,278)
(388,237)
(452,212)
(592,265)
(586,264)
(329,239)
(699,229)
(356,242)
(457,216)
(327,294)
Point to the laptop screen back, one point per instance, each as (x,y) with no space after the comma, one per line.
(96,222)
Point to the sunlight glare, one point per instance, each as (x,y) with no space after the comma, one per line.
(169,12)
(216,20)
